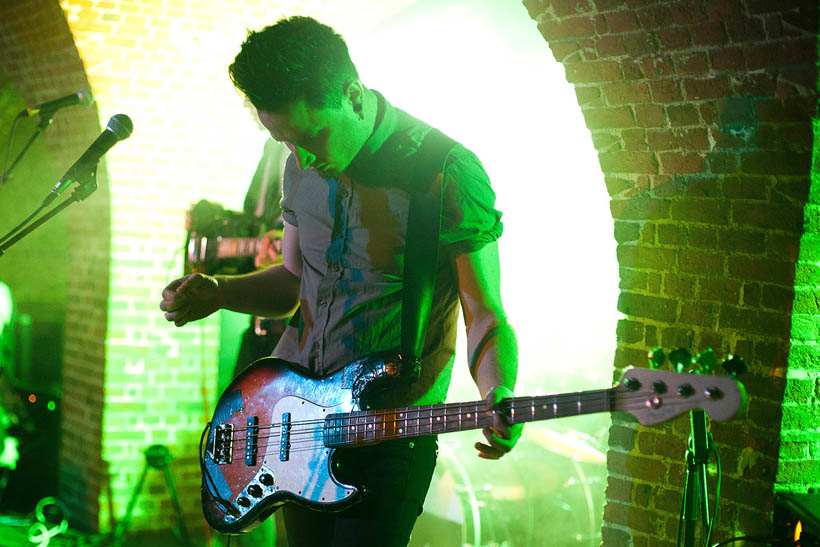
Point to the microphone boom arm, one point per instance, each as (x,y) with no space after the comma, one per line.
(45,123)
(88,184)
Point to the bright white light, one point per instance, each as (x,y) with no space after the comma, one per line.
(480,71)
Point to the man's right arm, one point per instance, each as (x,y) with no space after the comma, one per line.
(272,292)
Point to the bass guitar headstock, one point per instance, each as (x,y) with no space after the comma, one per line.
(654,396)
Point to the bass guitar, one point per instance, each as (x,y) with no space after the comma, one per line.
(275,430)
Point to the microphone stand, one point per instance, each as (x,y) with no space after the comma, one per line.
(695,495)
(88,185)
(45,122)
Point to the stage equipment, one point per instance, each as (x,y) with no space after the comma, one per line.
(473,502)
(700,444)
(157,457)
(35,424)
(797,519)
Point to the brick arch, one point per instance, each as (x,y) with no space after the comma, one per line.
(701,115)
(71,251)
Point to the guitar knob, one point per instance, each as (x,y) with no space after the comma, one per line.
(243,501)
(713,393)
(266,479)
(659,387)
(255,490)
(685,390)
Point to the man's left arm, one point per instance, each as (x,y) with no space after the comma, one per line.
(491,343)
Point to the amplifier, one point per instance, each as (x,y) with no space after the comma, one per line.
(797,518)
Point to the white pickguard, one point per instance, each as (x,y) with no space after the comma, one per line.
(306,472)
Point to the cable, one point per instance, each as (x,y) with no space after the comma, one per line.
(680,514)
(756,539)
(713,449)
(707,527)
(172,264)
(41,531)
(5,472)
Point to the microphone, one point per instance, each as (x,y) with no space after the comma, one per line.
(83,96)
(119,127)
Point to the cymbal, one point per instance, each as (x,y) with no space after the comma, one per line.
(570,444)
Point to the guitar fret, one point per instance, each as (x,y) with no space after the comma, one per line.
(364,427)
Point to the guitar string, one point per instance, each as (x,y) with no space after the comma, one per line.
(518,402)
(523,409)
(309,445)
(425,422)
(452,409)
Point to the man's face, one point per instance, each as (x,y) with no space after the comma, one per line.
(323,139)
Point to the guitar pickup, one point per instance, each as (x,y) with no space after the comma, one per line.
(284,439)
(223,444)
(251,440)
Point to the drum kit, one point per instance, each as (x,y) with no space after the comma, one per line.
(548,491)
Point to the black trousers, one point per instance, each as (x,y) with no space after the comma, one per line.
(395,475)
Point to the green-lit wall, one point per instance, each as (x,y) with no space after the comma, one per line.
(38,291)
(799,468)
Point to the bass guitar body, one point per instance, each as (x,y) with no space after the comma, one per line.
(265,446)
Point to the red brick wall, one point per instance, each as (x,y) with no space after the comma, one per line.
(130,378)
(701,115)
(38,54)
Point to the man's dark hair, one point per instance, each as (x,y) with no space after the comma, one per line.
(296,58)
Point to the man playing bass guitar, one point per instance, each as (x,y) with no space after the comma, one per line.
(345,207)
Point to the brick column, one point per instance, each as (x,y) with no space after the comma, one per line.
(701,115)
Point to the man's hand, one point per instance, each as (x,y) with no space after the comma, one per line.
(190,298)
(501,436)
(270,252)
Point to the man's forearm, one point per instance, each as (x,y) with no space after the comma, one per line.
(494,357)
(272,292)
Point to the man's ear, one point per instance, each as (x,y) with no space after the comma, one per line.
(354,92)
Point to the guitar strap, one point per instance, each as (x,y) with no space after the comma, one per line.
(421,247)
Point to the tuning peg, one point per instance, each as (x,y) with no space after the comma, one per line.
(618,377)
(656,357)
(680,359)
(707,360)
(734,365)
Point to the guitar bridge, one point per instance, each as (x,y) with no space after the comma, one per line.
(223,444)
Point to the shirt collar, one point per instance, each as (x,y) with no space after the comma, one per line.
(385,125)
